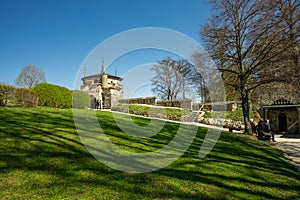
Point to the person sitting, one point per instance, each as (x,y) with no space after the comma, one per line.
(260,129)
(268,129)
(253,127)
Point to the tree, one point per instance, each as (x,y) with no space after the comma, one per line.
(30,76)
(167,81)
(204,79)
(172,78)
(247,39)
(289,11)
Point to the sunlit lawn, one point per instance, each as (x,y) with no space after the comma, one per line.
(41,157)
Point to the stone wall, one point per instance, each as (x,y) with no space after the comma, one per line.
(186,104)
(219,106)
(116,95)
(267,95)
(111,98)
(107,99)
(291,114)
(142,100)
(225,123)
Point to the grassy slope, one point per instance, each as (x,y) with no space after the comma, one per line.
(170,112)
(41,157)
(234,115)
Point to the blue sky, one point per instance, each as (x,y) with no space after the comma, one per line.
(57,35)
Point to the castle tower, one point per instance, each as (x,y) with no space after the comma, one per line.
(104,75)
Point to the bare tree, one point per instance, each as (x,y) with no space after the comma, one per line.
(30,76)
(247,39)
(206,78)
(173,78)
(289,12)
(167,81)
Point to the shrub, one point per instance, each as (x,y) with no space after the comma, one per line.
(6,94)
(17,96)
(234,115)
(80,99)
(53,95)
(25,97)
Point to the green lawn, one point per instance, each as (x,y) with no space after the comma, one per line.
(234,115)
(141,109)
(41,157)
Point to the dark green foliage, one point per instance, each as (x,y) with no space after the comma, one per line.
(80,99)
(53,95)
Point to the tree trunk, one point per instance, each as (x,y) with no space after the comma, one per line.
(246,111)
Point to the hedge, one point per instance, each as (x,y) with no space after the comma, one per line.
(53,95)
(6,94)
(80,99)
(11,96)
(26,97)
(44,94)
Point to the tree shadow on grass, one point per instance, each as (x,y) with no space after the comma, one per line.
(44,141)
(242,160)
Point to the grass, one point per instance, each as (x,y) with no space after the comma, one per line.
(234,115)
(170,112)
(41,157)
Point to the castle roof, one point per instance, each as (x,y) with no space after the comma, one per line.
(100,75)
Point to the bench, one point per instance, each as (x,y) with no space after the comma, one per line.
(264,136)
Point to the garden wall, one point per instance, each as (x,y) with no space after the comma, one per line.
(142,100)
(218,106)
(186,104)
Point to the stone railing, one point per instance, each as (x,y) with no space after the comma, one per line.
(142,100)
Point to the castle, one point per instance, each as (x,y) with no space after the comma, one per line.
(104,89)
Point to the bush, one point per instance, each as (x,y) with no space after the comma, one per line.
(53,95)
(25,97)
(234,115)
(17,96)
(6,94)
(80,99)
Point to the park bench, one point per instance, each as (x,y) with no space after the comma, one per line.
(267,136)
(264,136)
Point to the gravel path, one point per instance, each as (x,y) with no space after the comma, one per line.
(290,145)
